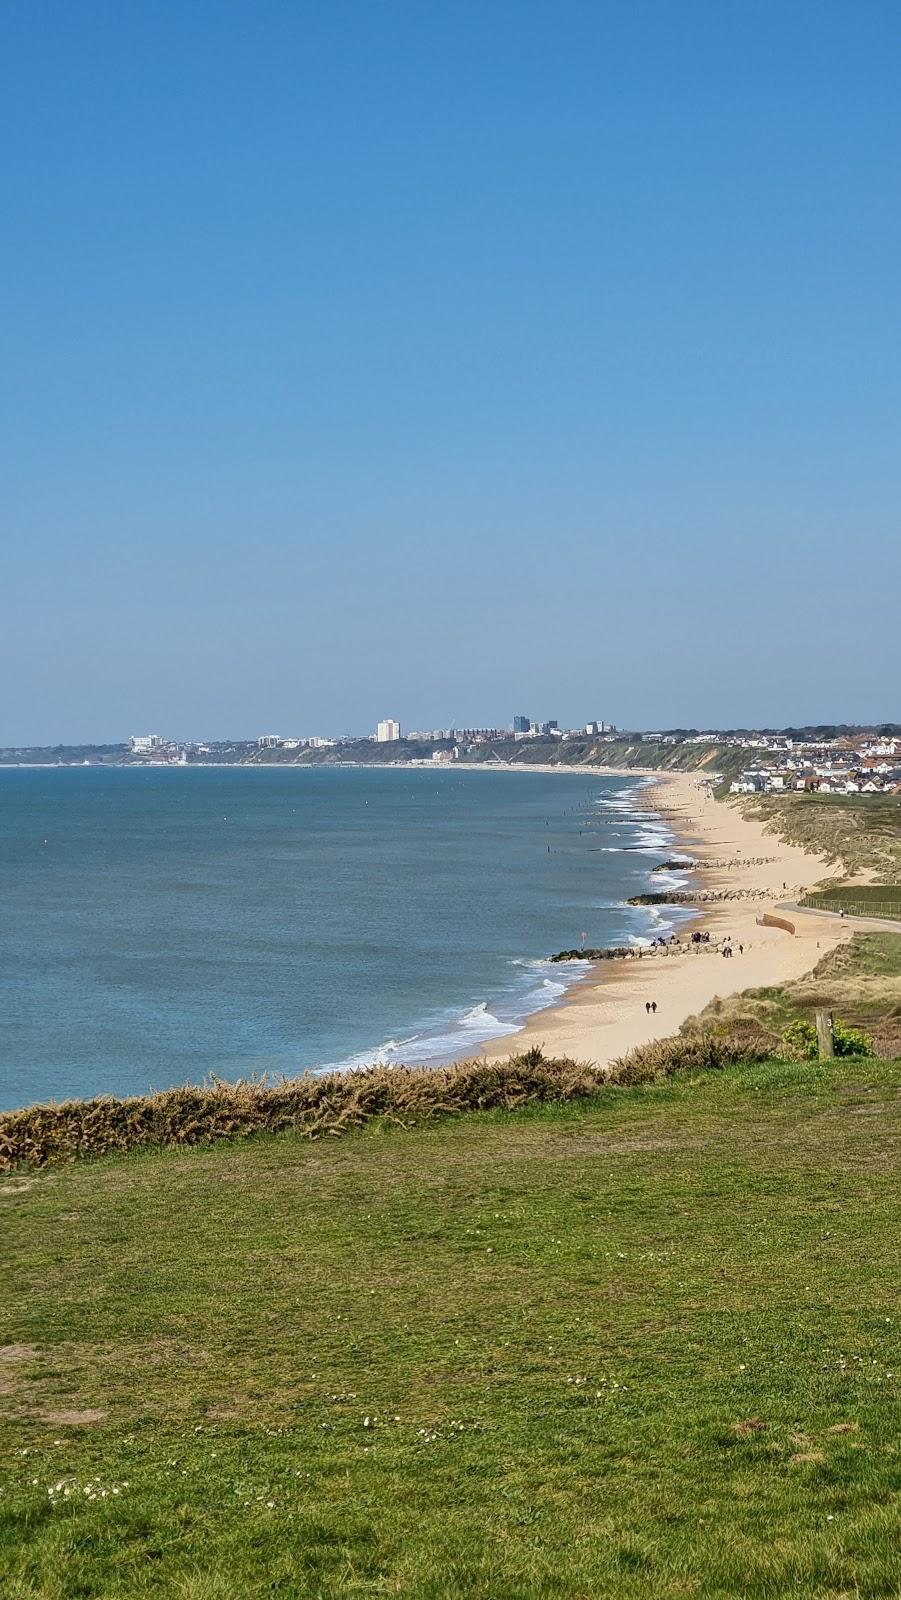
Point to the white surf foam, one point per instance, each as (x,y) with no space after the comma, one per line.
(459,1033)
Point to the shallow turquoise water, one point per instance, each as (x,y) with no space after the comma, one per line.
(158,925)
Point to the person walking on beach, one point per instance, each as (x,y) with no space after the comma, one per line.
(654,1007)
(647,1006)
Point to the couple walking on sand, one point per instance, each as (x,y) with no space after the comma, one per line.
(650,1005)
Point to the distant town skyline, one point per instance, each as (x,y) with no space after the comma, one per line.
(449,359)
(390,731)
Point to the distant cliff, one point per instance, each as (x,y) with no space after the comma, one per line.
(628,752)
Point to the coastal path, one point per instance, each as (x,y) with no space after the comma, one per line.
(856,924)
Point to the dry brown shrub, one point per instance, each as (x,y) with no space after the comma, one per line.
(746,1034)
(886,1033)
(699,1052)
(44,1135)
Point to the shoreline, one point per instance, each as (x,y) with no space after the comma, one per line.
(603,1015)
(601,1012)
(573,770)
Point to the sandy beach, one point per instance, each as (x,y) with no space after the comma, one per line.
(605,1015)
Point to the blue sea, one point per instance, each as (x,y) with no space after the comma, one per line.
(158,925)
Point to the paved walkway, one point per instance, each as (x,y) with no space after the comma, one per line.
(857,924)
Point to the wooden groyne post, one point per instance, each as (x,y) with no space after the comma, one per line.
(825,1036)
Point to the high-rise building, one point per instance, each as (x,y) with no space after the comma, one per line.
(387,731)
(521,724)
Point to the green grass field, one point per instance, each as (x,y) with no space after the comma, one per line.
(858,899)
(642,1345)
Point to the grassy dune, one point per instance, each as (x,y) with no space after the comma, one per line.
(860,982)
(868,955)
(641,1344)
(860,832)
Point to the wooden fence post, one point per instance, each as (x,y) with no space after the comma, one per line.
(825,1036)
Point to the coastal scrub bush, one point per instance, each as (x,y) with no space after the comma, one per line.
(799,1041)
(699,1052)
(851,1041)
(44,1135)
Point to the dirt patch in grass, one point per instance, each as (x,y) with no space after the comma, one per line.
(639,1142)
(65,1417)
(747,1428)
(11,1353)
(240,1409)
(591,1146)
(12,1356)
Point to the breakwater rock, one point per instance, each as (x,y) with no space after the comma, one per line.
(703,897)
(616,952)
(728,862)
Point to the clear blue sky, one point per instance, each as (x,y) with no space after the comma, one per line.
(445,360)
